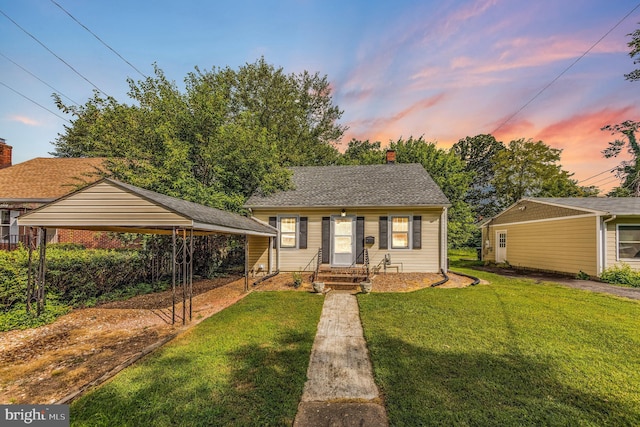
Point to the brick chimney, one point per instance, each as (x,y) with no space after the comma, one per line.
(391,156)
(5,154)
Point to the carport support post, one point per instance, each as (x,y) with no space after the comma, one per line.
(173,275)
(191,275)
(42,270)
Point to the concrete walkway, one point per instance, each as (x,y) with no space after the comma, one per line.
(340,390)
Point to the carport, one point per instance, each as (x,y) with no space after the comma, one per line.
(110,205)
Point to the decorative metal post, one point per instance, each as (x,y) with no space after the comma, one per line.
(173,276)
(42,270)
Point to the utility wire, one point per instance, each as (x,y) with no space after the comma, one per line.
(54,54)
(564,71)
(36,77)
(99,39)
(598,174)
(29,99)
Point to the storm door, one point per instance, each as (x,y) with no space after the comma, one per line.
(343,235)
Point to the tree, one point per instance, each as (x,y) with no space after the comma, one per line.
(228,134)
(627,171)
(634,44)
(530,169)
(362,153)
(448,171)
(478,153)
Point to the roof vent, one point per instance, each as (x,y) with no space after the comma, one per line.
(391,156)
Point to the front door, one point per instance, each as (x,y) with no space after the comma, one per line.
(501,246)
(343,248)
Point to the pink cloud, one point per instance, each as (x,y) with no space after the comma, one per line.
(24,120)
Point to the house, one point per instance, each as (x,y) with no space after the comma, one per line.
(348,215)
(565,235)
(36,182)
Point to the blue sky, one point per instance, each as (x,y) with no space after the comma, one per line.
(439,69)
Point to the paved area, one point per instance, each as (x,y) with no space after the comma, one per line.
(340,390)
(587,285)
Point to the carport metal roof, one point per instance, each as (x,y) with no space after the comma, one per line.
(110,205)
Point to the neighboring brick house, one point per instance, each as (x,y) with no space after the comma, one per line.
(31,184)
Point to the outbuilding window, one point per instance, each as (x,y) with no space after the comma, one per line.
(628,241)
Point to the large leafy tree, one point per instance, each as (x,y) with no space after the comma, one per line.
(528,168)
(627,171)
(478,153)
(362,153)
(448,171)
(228,134)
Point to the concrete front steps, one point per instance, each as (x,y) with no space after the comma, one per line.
(342,278)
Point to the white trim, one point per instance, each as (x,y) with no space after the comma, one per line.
(618,242)
(409,232)
(555,218)
(444,242)
(297,232)
(559,205)
(497,246)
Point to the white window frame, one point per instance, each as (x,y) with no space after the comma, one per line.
(296,233)
(5,237)
(618,242)
(409,233)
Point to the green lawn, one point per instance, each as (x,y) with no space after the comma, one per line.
(243,366)
(509,353)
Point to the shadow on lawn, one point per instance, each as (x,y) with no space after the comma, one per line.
(254,384)
(426,387)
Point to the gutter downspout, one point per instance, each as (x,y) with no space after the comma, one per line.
(603,246)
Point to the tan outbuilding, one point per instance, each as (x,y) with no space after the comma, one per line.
(566,235)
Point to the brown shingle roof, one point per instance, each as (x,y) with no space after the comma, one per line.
(46,179)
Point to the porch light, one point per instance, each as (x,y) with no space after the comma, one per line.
(343,213)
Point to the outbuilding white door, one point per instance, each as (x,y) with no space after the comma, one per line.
(501,246)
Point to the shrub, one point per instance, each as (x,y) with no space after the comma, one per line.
(297,279)
(621,275)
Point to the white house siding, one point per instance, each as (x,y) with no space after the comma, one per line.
(611,243)
(566,245)
(425,259)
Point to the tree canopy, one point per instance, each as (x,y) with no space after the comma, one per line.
(478,154)
(228,134)
(528,168)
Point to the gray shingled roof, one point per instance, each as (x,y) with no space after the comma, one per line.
(603,205)
(199,213)
(356,186)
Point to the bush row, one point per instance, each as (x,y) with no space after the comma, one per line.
(621,275)
(74,276)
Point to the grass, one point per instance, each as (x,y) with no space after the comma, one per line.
(243,366)
(509,353)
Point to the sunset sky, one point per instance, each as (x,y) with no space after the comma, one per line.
(443,70)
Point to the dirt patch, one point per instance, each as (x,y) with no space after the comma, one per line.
(43,365)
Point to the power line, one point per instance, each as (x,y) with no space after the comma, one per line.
(99,39)
(51,52)
(564,71)
(598,174)
(36,77)
(38,104)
